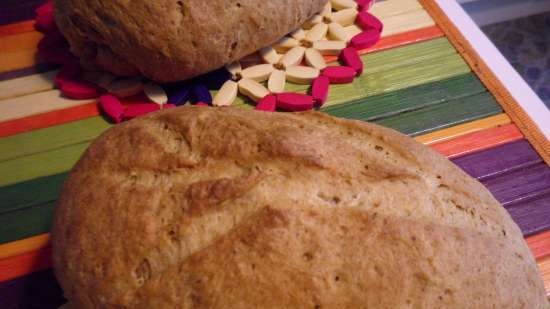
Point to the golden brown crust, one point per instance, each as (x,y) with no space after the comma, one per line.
(175,40)
(227,208)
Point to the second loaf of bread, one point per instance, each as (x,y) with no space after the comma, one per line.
(175,40)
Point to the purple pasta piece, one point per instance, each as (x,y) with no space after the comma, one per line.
(200,93)
(178,93)
(215,79)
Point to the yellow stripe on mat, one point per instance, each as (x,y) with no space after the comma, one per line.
(35,104)
(462,129)
(24,245)
(394,7)
(17,87)
(407,22)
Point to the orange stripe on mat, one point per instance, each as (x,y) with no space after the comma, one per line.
(405,38)
(478,141)
(540,244)
(17,28)
(22,246)
(49,119)
(17,266)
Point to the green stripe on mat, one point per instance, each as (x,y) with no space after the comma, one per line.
(40,164)
(408,99)
(42,140)
(30,193)
(26,222)
(444,115)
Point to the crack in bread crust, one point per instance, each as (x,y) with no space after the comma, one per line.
(173,209)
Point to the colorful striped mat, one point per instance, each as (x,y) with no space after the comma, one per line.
(418,79)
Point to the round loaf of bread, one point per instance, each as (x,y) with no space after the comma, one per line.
(175,40)
(228,208)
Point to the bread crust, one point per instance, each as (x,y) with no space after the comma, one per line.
(175,40)
(228,208)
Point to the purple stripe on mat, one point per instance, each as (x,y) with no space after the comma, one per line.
(38,290)
(518,178)
(532,216)
(39,68)
(520,185)
(499,160)
(12,11)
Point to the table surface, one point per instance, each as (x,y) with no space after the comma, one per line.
(415,81)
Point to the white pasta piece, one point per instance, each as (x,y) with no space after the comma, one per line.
(276,82)
(316,19)
(259,72)
(344,17)
(155,93)
(298,34)
(270,55)
(302,74)
(227,94)
(285,44)
(293,57)
(332,48)
(338,33)
(353,30)
(343,4)
(315,59)
(317,33)
(252,89)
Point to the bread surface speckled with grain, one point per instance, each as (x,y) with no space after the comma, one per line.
(228,208)
(175,40)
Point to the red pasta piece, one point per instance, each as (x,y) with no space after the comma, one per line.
(367,21)
(365,39)
(267,103)
(202,104)
(69,72)
(135,110)
(79,90)
(339,74)
(350,57)
(46,8)
(294,102)
(45,22)
(319,89)
(111,106)
(364,4)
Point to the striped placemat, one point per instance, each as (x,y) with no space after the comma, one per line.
(415,81)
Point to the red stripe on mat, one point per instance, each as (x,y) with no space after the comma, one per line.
(48,119)
(478,141)
(17,266)
(16,28)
